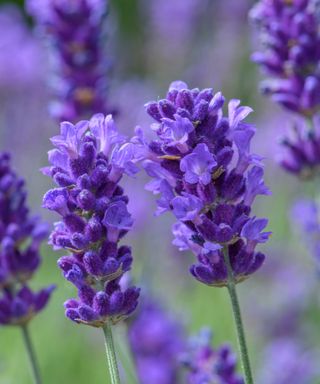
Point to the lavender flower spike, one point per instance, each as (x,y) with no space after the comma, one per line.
(20,236)
(289,31)
(208,365)
(87,164)
(157,342)
(300,149)
(202,166)
(75,30)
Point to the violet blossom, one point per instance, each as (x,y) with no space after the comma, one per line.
(290,54)
(21,59)
(202,167)
(300,149)
(75,29)
(206,364)
(87,164)
(21,236)
(156,341)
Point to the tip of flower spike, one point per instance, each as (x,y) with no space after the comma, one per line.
(178,85)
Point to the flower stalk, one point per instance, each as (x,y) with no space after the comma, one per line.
(111,354)
(31,355)
(244,354)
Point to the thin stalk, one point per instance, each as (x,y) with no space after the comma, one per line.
(31,355)
(238,320)
(111,355)
(125,354)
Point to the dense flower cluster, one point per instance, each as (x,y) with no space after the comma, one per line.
(290,54)
(287,361)
(87,164)
(75,30)
(156,341)
(20,239)
(301,149)
(201,165)
(208,365)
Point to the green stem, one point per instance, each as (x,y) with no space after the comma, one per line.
(125,354)
(31,354)
(111,355)
(238,320)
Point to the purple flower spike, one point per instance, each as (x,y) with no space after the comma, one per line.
(20,236)
(74,31)
(300,149)
(157,342)
(94,217)
(202,166)
(289,33)
(205,364)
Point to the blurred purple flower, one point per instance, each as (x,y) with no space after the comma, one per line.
(305,214)
(289,32)
(208,365)
(87,164)
(21,61)
(21,236)
(75,31)
(168,35)
(157,342)
(300,150)
(286,361)
(208,178)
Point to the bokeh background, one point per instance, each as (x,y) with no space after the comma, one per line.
(206,43)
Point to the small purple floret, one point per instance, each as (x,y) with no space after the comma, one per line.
(75,31)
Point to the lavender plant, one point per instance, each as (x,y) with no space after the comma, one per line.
(202,166)
(87,165)
(21,236)
(208,365)
(75,30)
(165,355)
(289,54)
(289,32)
(156,341)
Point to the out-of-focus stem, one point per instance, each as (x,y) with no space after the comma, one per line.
(31,355)
(125,354)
